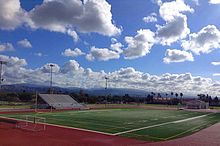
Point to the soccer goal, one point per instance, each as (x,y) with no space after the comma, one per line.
(32,123)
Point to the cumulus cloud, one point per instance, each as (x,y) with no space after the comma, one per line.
(73,34)
(72,74)
(71,66)
(86,16)
(13,61)
(215,63)
(25,43)
(205,41)
(72,53)
(6,47)
(173,30)
(140,44)
(214,1)
(173,55)
(102,54)
(216,74)
(11,14)
(169,10)
(176,27)
(151,18)
(47,68)
(116,46)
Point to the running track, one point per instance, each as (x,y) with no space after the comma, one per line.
(56,136)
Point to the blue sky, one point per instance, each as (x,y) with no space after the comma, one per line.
(182,38)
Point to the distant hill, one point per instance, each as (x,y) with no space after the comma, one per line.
(92,91)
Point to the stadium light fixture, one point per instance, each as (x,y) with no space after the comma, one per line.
(1,69)
(106,86)
(51,77)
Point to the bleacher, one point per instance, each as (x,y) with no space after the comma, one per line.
(60,101)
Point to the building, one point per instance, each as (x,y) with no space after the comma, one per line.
(196,104)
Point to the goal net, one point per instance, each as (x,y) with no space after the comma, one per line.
(32,123)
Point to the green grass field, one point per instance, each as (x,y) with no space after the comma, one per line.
(154,125)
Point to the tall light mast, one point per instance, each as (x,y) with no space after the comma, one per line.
(51,77)
(1,70)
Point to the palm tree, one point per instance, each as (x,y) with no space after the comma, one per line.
(176,95)
(181,95)
(171,94)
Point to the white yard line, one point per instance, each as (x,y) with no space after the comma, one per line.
(173,122)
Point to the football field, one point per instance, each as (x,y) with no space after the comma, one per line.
(144,124)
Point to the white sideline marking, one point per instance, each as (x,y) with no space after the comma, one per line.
(174,122)
(179,121)
(60,126)
(119,133)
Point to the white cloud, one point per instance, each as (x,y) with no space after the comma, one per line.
(72,53)
(71,66)
(169,10)
(102,54)
(71,74)
(151,18)
(158,2)
(205,41)
(11,14)
(39,54)
(173,30)
(86,16)
(214,1)
(117,47)
(140,44)
(215,63)
(13,61)
(25,43)
(73,34)
(176,27)
(6,47)
(216,74)
(177,56)
(47,68)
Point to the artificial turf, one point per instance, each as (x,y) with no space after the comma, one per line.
(120,120)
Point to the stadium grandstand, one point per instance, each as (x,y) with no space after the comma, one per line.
(57,101)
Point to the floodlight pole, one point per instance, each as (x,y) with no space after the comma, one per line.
(1,68)
(36,102)
(106,86)
(51,78)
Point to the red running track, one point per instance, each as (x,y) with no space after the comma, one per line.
(56,136)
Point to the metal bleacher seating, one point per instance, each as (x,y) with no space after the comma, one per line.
(60,101)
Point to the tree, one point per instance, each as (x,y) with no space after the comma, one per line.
(181,95)
(171,94)
(176,95)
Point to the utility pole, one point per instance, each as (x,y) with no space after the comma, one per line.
(106,86)
(36,102)
(51,78)
(1,69)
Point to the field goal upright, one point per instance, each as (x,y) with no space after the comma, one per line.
(32,123)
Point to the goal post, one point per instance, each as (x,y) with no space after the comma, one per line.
(32,123)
